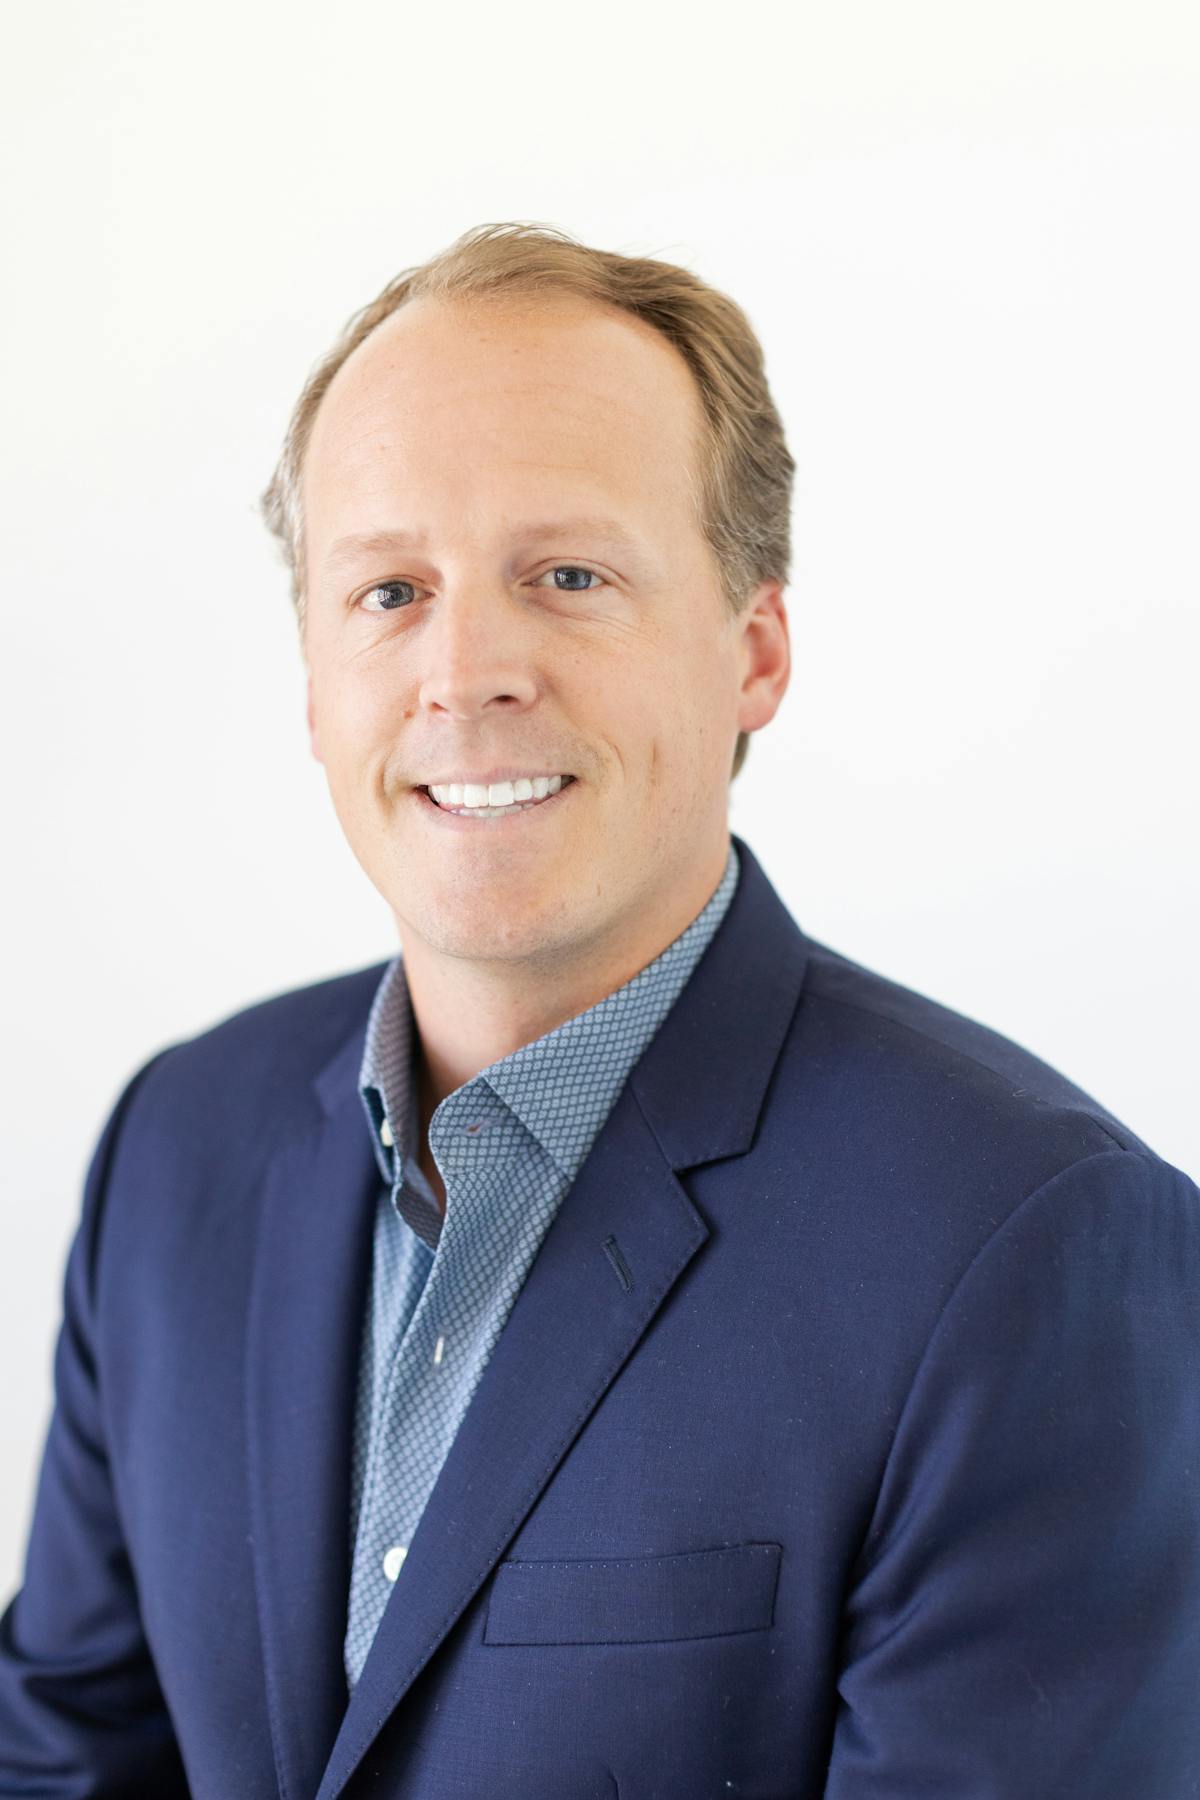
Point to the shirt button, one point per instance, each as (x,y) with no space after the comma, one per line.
(385,1132)
(394,1559)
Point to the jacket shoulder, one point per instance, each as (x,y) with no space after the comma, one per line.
(260,1060)
(964,1082)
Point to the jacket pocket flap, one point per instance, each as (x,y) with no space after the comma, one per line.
(634,1599)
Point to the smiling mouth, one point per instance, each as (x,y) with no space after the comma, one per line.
(497,812)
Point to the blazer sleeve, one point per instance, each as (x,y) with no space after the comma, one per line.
(1025,1615)
(82,1716)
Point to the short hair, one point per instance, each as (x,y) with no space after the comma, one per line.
(742,488)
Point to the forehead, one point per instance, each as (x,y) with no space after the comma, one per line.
(455,410)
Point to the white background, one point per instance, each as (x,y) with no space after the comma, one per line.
(967,238)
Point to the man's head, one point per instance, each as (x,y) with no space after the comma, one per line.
(579,590)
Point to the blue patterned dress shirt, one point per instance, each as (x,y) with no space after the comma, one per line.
(508,1145)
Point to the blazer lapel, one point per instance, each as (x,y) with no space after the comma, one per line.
(694,1097)
(308,1303)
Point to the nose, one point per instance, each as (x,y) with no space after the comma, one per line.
(477,654)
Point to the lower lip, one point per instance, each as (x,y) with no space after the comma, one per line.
(463,822)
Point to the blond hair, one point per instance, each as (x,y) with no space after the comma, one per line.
(742,489)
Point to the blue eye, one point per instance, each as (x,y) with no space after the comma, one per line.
(573,569)
(379,588)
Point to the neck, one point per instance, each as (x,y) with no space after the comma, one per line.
(468,1015)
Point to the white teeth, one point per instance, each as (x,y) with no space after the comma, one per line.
(502,794)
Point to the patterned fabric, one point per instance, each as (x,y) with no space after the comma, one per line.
(508,1144)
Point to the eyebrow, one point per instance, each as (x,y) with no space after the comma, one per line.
(383,543)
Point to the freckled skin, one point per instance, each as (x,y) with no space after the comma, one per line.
(464,421)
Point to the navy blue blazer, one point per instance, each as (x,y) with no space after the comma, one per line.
(843,1441)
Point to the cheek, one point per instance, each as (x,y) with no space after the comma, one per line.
(359,753)
(691,737)
(359,718)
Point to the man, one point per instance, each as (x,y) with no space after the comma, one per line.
(620,1347)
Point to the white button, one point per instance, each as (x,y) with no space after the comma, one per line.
(394,1559)
(438,1348)
(385,1132)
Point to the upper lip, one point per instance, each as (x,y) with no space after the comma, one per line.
(491,777)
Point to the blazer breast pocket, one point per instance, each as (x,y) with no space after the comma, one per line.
(634,1599)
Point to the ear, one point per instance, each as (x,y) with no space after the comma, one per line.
(766,657)
(312,724)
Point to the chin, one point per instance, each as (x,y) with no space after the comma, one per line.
(484,947)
